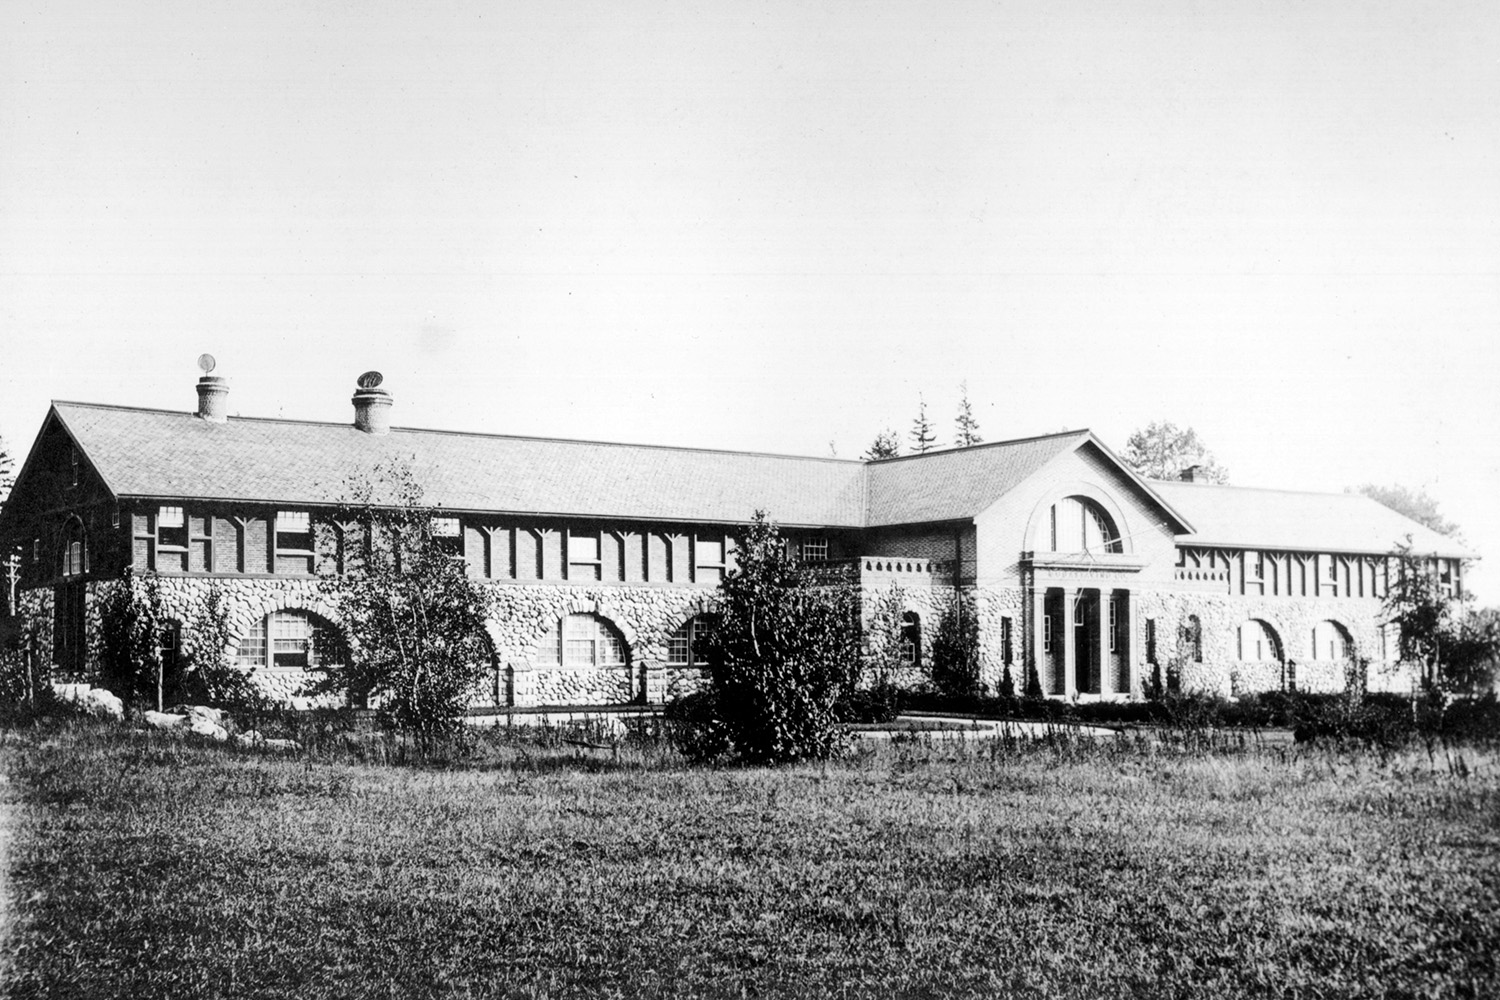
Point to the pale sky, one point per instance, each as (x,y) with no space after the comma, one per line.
(773,226)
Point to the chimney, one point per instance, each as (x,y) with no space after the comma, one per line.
(372,405)
(213,391)
(1191,474)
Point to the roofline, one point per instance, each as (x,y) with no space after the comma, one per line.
(7,509)
(972,447)
(1140,480)
(1187,540)
(480,434)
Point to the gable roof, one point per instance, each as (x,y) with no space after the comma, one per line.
(1250,517)
(161,453)
(963,482)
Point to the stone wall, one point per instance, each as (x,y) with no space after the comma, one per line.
(1292,619)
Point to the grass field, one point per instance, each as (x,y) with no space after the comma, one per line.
(147,867)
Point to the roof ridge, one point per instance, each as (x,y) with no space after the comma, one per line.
(932,453)
(1264,489)
(479,434)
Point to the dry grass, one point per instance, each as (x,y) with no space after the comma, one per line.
(148,867)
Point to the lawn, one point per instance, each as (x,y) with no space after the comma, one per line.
(144,866)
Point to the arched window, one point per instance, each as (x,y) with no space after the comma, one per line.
(290,640)
(74,548)
(1082,525)
(1258,642)
(911,639)
(685,645)
(1330,641)
(582,640)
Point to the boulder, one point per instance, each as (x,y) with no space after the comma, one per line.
(214,715)
(253,738)
(102,703)
(163,720)
(211,730)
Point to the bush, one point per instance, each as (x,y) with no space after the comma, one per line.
(881,703)
(786,646)
(695,728)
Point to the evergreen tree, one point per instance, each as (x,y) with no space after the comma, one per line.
(923,439)
(968,427)
(887,445)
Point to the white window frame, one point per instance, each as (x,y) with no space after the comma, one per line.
(815,548)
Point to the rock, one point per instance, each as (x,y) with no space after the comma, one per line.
(253,738)
(163,720)
(211,730)
(249,738)
(103,704)
(214,715)
(283,746)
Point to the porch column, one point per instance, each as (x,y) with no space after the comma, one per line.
(1098,655)
(1038,644)
(1069,634)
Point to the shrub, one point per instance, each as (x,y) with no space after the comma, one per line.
(785,648)
(955,649)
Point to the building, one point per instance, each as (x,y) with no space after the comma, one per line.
(600,556)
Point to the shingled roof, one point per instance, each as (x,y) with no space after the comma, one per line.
(1248,517)
(162,453)
(158,453)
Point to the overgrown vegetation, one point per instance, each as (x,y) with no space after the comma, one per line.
(146,866)
(414,622)
(784,648)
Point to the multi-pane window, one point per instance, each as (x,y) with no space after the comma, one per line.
(708,558)
(1081,525)
(74,456)
(286,639)
(814,548)
(74,551)
(1257,642)
(1046,633)
(1150,640)
(1329,641)
(448,535)
(1007,646)
(171,527)
(293,529)
(583,556)
(1114,624)
(911,639)
(685,645)
(582,640)
(1330,567)
(1191,636)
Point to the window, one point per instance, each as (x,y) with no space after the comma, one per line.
(911,640)
(1046,633)
(1081,525)
(1150,640)
(814,549)
(171,528)
(1190,635)
(684,646)
(289,640)
(74,551)
(1007,646)
(709,558)
(1258,642)
(448,535)
(1330,641)
(582,640)
(583,556)
(294,530)
(1078,609)
(1114,625)
(74,458)
(1330,567)
(36,550)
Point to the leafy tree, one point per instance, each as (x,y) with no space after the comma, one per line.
(886,445)
(131,622)
(415,622)
(786,646)
(1455,650)
(1161,451)
(923,439)
(955,649)
(10,560)
(1414,504)
(209,674)
(968,427)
